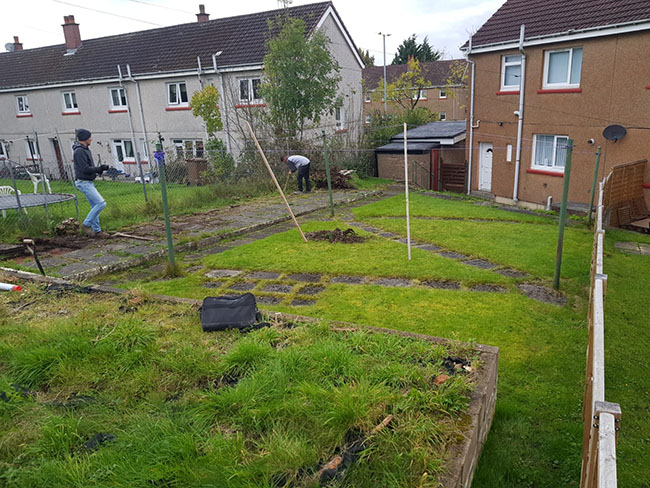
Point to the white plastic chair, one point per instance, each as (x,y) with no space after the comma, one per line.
(5,191)
(36,180)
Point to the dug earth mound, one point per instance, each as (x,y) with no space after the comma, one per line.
(347,236)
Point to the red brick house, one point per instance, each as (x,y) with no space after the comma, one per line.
(574,68)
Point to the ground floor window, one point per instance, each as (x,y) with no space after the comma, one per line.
(549,151)
(3,150)
(31,150)
(124,150)
(189,148)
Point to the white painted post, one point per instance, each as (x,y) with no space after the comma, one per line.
(607,451)
(406,185)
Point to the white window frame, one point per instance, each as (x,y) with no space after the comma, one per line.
(74,105)
(250,85)
(443,116)
(553,168)
(120,91)
(25,102)
(567,83)
(31,144)
(339,117)
(178,102)
(505,64)
(443,93)
(421,92)
(120,144)
(183,147)
(3,150)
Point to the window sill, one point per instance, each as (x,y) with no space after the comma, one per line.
(133,162)
(33,159)
(646,185)
(20,116)
(546,172)
(559,90)
(118,111)
(250,105)
(340,131)
(647,87)
(71,113)
(508,92)
(173,109)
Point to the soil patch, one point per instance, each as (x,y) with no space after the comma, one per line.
(543,294)
(452,255)
(480,263)
(511,273)
(278,288)
(347,236)
(349,280)
(428,247)
(489,288)
(263,275)
(443,285)
(308,278)
(246,286)
(268,300)
(312,290)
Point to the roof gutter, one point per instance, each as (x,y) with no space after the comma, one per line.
(570,35)
(520,112)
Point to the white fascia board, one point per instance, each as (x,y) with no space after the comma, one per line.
(332,12)
(140,77)
(564,37)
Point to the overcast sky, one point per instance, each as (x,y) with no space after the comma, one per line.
(446,23)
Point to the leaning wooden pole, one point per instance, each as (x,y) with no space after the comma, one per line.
(268,166)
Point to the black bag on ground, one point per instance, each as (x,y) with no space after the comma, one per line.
(229,312)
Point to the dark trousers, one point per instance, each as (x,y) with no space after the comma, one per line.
(303,172)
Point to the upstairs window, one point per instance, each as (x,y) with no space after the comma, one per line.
(177,94)
(562,68)
(549,152)
(419,94)
(118,98)
(22,105)
(510,72)
(443,93)
(70,102)
(249,90)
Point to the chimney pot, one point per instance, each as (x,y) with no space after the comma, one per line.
(18,46)
(71,33)
(202,16)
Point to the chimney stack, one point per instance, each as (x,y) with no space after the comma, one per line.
(202,16)
(71,33)
(18,46)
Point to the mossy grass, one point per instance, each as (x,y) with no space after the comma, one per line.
(178,407)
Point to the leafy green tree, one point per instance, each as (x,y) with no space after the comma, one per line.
(384,126)
(301,79)
(205,104)
(365,56)
(411,49)
(407,90)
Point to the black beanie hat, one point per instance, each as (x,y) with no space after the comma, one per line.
(83,135)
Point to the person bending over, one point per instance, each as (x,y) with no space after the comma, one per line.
(300,164)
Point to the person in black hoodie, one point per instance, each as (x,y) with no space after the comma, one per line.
(85,173)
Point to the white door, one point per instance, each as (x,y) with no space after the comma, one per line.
(485,167)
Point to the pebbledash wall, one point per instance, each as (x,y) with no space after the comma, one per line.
(175,123)
(614,89)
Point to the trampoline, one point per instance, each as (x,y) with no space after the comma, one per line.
(10,202)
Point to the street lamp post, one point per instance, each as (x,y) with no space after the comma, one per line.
(385,81)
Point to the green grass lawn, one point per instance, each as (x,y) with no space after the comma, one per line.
(536,438)
(179,407)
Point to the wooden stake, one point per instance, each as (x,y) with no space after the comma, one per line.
(268,166)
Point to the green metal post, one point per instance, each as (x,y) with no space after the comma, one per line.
(327,170)
(163,189)
(565,197)
(593,187)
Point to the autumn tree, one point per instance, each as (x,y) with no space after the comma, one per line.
(407,90)
(410,48)
(300,79)
(365,56)
(205,104)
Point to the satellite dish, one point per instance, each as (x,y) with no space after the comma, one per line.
(614,132)
(10,47)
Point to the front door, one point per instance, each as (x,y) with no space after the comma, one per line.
(485,167)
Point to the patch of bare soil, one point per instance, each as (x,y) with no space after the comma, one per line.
(347,236)
(543,294)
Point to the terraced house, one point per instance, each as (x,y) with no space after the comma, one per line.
(547,71)
(445,93)
(128,88)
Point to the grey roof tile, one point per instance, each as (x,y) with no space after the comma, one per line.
(435,72)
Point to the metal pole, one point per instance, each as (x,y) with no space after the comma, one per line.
(71,170)
(40,165)
(565,197)
(327,170)
(593,186)
(13,182)
(385,80)
(141,112)
(163,188)
(406,186)
(133,141)
(520,112)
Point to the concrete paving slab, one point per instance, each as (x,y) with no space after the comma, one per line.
(223,273)
(263,275)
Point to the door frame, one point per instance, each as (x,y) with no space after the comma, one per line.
(485,147)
